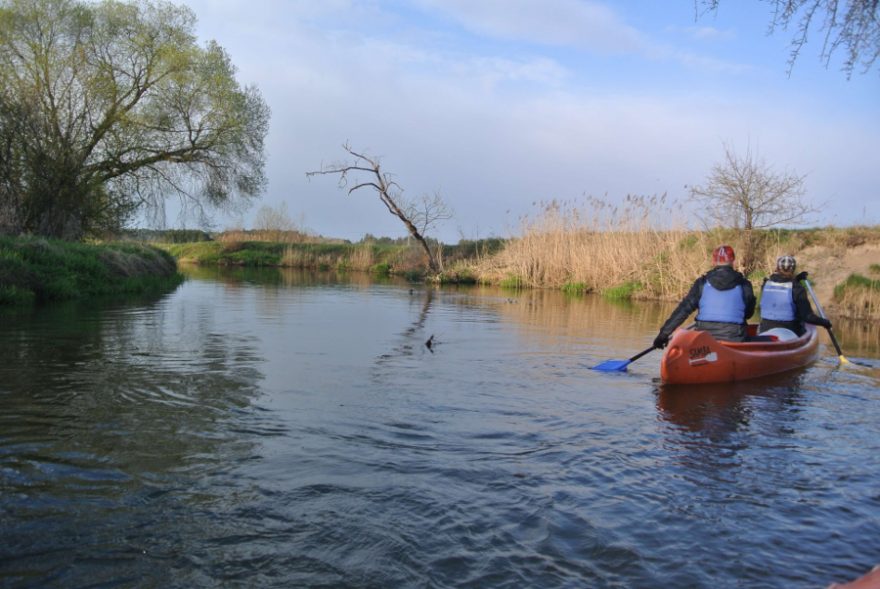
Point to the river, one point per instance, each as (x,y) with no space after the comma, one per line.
(265,428)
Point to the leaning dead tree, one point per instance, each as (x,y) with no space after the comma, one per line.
(418,215)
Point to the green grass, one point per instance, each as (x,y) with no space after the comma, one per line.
(854,282)
(267,253)
(575,288)
(381,269)
(512,282)
(874,268)
(386,258)
(36,270)
(457,276)
(623,291)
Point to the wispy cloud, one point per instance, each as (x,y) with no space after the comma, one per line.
(574,23)
(711,33)
(587,25)
(497,104)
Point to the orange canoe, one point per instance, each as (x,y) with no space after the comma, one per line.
(695,357)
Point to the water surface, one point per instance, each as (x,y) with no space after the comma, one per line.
(285,429)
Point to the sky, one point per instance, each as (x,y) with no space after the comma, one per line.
(500,105)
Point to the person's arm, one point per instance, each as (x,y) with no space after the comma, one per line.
(803,309)
(688,305)
(749,298)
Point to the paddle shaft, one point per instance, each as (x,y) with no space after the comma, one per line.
(642,353)
(822,315)
(619,365)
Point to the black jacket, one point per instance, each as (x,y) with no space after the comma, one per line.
(722,278)
(803,311)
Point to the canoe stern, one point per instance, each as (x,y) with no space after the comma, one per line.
(694,357)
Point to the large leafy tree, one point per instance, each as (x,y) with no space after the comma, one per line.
(110,107)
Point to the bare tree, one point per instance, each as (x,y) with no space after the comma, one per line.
(269,218)
(418,215)
(852,26)
(275,224)
(745,193)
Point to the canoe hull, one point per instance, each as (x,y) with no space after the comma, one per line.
(695,357)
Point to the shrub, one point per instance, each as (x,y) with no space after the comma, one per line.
(381,269)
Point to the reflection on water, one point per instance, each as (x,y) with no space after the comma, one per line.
(717,410)
(279,428)
(859,338)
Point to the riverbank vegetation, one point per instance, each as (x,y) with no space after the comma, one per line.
(299,250)
(38,270)
(595,247)
(860,296)
(636,251)
(640,251)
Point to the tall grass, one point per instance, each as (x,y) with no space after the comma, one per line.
(860,296)
(642,249)
(638,250)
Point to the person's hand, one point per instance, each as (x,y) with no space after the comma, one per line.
(660,341)
(801,276)
(824,323)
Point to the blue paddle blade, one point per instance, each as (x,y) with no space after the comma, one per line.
(612,366)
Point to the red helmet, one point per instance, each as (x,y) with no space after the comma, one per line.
(723,255)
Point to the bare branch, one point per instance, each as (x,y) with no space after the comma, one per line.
(854,30)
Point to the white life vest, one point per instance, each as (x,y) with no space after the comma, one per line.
(777,301)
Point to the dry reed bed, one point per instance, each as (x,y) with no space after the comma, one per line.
(644,250)
(599,247)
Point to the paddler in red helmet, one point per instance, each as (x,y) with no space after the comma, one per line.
(723,298)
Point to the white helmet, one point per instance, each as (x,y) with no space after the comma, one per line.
(786,264)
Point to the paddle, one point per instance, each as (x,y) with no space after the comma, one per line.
(620,365)
(840,355)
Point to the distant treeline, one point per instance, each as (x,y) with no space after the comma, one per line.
(164,235)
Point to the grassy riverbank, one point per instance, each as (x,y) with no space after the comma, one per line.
(623,254)
(377,256)
(618,253)
(37,270)
(316,256)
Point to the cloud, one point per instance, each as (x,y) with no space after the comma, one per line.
(704,33)
(575,23)
(710,33)
(495,126)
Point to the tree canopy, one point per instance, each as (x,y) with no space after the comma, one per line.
(109,108)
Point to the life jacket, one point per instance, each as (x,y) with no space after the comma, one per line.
(777,301)
(722,306)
